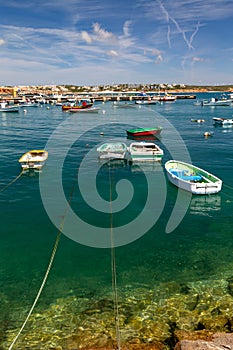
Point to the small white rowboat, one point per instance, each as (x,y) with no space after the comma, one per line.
(191,178)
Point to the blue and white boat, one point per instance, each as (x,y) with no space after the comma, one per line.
(191,178)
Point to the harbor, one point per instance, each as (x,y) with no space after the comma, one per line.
(167,284)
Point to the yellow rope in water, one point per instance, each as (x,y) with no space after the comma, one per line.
(40,290)
(48,268)
(113,267)
(10,183)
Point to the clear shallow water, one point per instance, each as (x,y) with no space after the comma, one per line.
(199,249)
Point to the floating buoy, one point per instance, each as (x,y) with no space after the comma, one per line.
(198,120)
(101,133)
(207,134)
(25,111)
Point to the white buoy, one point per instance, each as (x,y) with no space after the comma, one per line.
(207,134)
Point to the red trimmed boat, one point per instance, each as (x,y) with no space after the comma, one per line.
(144,131)
(67,107)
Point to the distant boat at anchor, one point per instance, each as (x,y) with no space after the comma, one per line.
(4,107)
(144,131)
(34,159)
(223,121)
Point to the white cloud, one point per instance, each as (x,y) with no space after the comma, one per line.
(102,34)
(86,37)
(112,53)
(198,59)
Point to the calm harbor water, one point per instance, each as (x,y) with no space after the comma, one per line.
(156,273)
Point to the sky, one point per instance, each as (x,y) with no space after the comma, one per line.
(100,42)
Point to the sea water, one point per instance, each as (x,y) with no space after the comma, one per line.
(197,250)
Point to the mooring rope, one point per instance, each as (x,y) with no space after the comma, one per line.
(11,182)
(40,290)
(113,268)
(49,265)
(230,187)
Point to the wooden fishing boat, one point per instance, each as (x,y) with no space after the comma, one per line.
(144,151)
(191,178)
(85,110)
(144,131)
(34,159)
(68,106)
(112,150)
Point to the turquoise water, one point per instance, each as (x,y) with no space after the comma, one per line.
(199,249)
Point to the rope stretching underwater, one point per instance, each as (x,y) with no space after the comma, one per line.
(113,264)
(113,267)
(49,265)
(11,182)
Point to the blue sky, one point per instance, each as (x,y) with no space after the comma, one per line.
(97,42)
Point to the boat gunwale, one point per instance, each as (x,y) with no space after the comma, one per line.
(191,166)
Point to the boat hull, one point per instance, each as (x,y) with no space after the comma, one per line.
(145,152)
(10,109)
(191,178)
(85,110)
(144,132)
(68,107)
(32,165)
(110,151)
(223,121)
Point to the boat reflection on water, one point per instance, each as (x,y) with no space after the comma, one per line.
(205,205)
(112,163)
(145,167)
(144,138)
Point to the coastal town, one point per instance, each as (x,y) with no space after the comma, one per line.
(51,93)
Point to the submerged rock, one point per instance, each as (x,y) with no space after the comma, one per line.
(219,341)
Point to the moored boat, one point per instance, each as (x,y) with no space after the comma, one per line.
(145,102)
(144,151)
(165,97)
(144,131)
(34,159)
(112,150)
(84,110)
(70,105)
(223,121)
(4,107)
(191,178)
(223,101)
